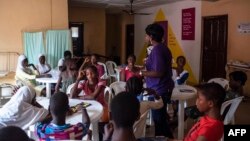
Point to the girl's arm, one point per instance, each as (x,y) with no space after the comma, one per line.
(86,61)
(95,94)
(75,91)
(182,78)
(49,68)
(122,75)
(58,83)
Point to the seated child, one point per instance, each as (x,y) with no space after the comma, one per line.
(124,116)
(43,67)
(93,88)
(67,76)
(134,86)
(179,74)
(210,127)
(125,110)
(237,80)
(13,133)
(58,129)
(130,70)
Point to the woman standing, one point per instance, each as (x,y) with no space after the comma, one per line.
(159,76)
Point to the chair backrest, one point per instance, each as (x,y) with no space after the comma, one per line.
(108,94)
(118,87)
(140,125)
(223,82)
(5,93)
(111,67)
(68,91)
(105,68)
(233,103)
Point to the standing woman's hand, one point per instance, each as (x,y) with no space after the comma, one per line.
(152,92)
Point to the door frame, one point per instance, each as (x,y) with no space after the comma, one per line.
(202,41)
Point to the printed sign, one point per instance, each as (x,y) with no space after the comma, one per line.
(188,24)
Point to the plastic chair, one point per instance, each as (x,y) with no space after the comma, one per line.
(108,95)
(117,87)
(68,91)
(111,69)
(140,126)
(5,93)
(223,82)
(105,75)
(233,103)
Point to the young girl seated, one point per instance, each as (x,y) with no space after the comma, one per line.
(237,80)
(179,74)
(22,110)
(134,86)
(58,129)
(67,76)
(93,88)
(43,67)
(131,70)
(210,127)
(27,73)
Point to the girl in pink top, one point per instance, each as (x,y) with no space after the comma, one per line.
(131,70)
(93,88)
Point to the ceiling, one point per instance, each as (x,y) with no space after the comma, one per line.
(113,6)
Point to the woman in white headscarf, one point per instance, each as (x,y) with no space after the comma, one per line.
(27,73)
(22,110)
(43,67)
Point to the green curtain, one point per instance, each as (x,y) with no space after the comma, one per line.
(57,41)
(33,46)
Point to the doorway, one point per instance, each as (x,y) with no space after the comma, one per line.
(214,47)
(77,38)
(129,40)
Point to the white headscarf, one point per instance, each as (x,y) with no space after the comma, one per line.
(20,66)
(19,62)
(19,111)
(42,68)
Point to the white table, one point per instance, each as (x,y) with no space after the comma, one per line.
(182,93)
(95,111)
(49,81)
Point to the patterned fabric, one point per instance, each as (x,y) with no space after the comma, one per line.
(52,132)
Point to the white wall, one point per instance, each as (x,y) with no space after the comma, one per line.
(172,12)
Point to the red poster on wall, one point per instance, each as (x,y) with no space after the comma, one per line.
(188,24)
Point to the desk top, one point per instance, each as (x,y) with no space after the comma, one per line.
(183,92)
(95,110)
(53,79)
